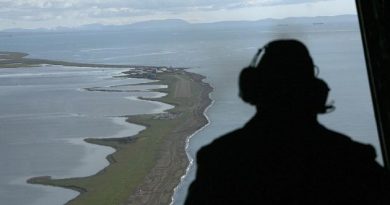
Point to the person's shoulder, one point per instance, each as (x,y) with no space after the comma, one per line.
(347,144)
(220,146)
(223,141)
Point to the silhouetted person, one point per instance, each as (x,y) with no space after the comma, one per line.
(283,155)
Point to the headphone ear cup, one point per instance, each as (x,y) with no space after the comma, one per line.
(250,90)
(248,82)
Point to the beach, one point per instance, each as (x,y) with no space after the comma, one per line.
(145,168)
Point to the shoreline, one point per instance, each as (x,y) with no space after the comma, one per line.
(141,197)
(190,159)
(19,59)
(158,154)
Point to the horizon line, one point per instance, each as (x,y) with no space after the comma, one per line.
(167,19)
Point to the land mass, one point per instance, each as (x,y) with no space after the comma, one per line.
(341,21)
(146,167)
(18,60)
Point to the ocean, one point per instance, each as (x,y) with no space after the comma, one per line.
(217,53)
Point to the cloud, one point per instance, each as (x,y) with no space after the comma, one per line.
(120,10)
(153,5)
(47,9)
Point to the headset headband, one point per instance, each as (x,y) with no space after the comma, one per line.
(255,59)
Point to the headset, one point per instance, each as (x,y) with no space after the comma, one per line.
(252,89)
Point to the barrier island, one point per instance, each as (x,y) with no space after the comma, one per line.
(146,167)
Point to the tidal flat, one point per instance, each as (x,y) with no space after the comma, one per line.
(145,168)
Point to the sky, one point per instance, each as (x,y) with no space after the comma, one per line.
(73,13)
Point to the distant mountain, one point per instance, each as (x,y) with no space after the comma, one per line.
(168,23)
(297,23)
(178,23)
(294,20)
(315,20)
(17,30)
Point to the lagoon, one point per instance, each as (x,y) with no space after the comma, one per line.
(46,112)
(219,54)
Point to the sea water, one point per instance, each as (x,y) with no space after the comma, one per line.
(48,111)
(220,54)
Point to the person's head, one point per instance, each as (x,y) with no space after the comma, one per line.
(284,80)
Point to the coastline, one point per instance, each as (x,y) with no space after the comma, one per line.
(18,59)
(190,159)
(157,188)
(145,168)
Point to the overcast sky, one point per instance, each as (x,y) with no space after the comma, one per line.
(71,13)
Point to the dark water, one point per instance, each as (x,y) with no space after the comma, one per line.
(220,55)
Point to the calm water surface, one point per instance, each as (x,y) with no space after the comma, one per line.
(217,54)
(45,115)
